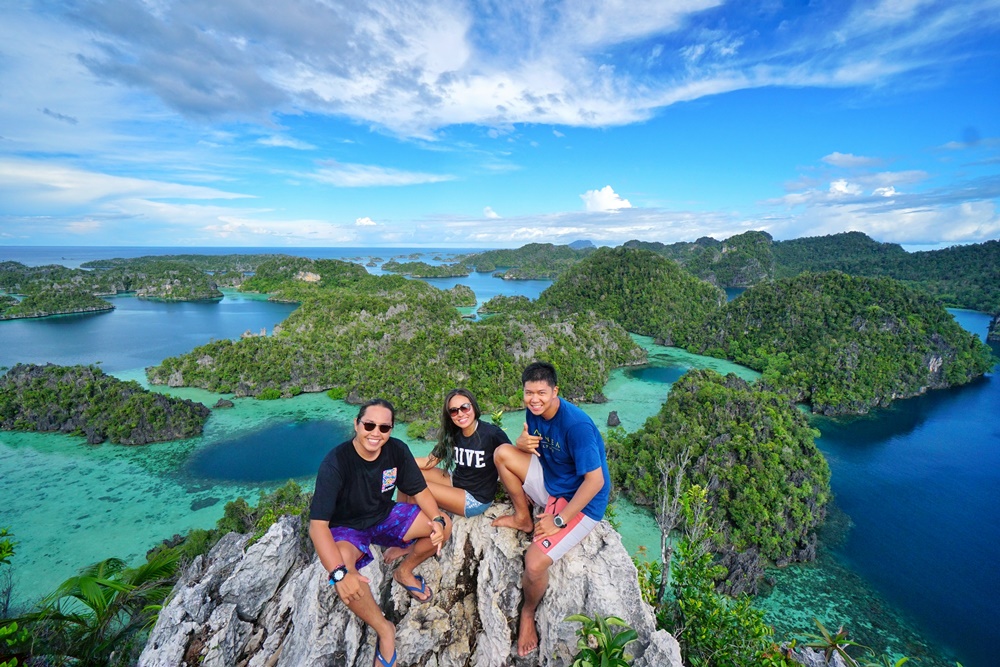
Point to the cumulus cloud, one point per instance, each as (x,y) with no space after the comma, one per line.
(605,199)
(364,222)
(490,213)
(841,187)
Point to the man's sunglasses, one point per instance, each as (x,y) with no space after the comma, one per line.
(464,407)
(382,428)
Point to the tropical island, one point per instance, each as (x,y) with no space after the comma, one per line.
(767,483)
(47,304)
(425,270)
(843,344)
(84,401)
(359,335)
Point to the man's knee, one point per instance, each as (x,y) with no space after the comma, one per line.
(536,563)
(509,457)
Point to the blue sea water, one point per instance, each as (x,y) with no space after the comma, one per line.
(917,481)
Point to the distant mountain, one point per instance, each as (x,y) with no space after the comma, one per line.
(581,244)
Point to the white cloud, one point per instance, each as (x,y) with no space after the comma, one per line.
(558,133)
(415,68)
(344,175)
(887,191)
(364,222)
(29,182)
(490,213)
(850,160)
(280,141)
(841,187)
(605,199)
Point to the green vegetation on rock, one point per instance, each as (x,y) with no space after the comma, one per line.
(535,261)
(755,453)
(45,303)
(403,339)
(739,261)
(844,344)
(82,400)
(425,270)
(640,290)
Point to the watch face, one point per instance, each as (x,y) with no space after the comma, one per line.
(558,520)
(338,574)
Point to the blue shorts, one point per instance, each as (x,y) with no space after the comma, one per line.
(388,533)
(473,507)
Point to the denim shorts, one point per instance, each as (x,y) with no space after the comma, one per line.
(388,533)
(473,507)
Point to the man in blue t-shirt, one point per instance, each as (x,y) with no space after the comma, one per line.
(559,463)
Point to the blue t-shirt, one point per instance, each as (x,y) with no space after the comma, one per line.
(571,446)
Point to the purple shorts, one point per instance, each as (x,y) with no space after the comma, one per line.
(388,533)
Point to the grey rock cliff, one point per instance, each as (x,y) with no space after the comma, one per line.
(270,605)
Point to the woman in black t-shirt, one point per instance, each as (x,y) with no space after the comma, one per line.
(466,481)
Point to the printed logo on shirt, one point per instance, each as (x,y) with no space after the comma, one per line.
(547,442)
(471,458)
(388,479)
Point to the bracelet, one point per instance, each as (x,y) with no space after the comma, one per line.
(440,520)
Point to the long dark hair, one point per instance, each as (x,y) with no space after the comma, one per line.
(444,450)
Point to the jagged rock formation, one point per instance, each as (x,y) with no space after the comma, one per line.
(270,604)
(994,332)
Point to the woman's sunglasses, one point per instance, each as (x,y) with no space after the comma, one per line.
(382,428)
(464,407)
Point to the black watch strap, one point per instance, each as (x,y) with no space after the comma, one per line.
(337,575)
(440,520)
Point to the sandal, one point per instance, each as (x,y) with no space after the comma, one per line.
(380,659)
(414,590)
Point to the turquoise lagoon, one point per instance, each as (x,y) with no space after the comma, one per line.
(906,560)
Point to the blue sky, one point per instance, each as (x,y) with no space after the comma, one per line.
(495,124)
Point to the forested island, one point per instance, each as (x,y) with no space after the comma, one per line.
(425,270)
(966,276)
(46,304)
(535,261)
(83,400)
(641,291)
(843,344)
(753,451)
(359,335)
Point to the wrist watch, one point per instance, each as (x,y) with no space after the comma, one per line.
(440,520)
(559,521)
(337,575)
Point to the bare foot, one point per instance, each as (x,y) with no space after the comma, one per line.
(393,554)
(527,634)
(513,521)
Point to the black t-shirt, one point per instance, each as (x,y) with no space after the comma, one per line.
(475,470)
(356,493)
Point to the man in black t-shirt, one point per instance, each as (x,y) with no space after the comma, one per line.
(352,509)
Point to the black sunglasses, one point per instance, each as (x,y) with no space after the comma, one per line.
(382,428)
(464,407)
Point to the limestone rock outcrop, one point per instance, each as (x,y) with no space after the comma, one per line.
(270,605)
